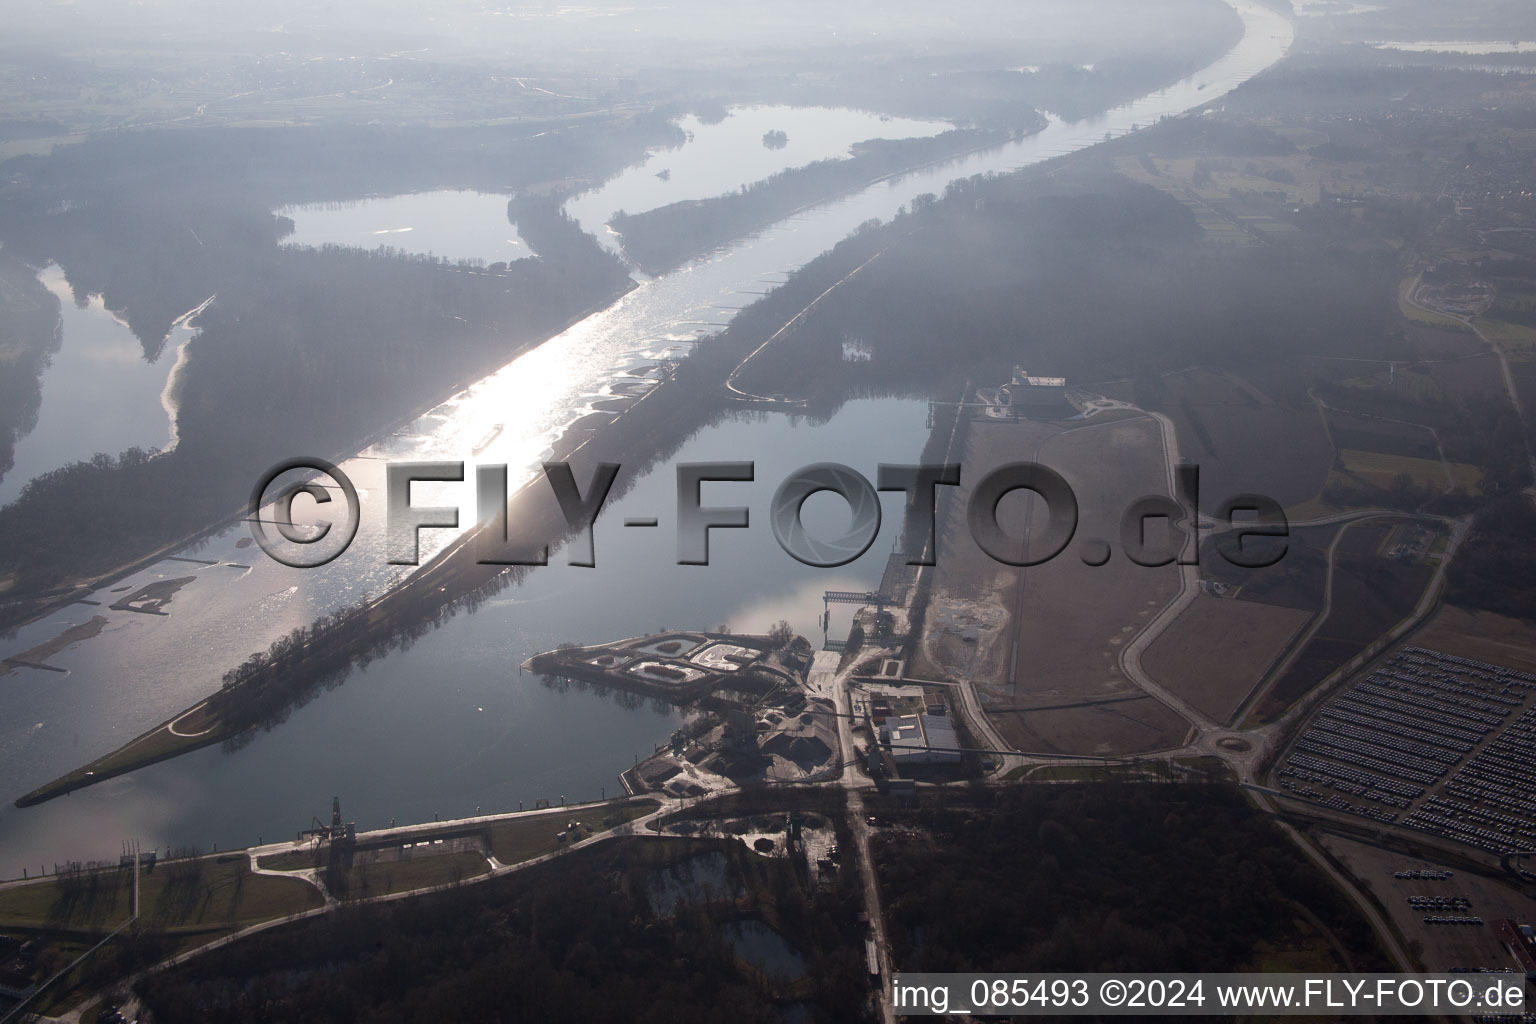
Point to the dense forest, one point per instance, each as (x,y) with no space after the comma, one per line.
(1108,877)
(579,938)
(29,336)
(662,238)
(310,351)
(155,221)
(307,352)
(1495,567)
(1092,278)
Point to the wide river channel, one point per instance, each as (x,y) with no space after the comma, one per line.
(449,726)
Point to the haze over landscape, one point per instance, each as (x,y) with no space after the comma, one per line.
(700,511)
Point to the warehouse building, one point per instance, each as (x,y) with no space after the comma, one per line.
(921,739)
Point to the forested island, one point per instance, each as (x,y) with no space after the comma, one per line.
(660,239)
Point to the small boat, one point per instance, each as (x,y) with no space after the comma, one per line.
(490,435)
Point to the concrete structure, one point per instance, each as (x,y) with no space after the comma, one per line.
(337,832)
(1520,941)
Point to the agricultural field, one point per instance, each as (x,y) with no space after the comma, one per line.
(1482,636)
(1228,427)
(1413,391)
(1468,377)
(1288,179)
(1134,725)
(1445,343)
(1374,434)
(1296,581)
(1381,470)
(1377,581)
(1518,340)
(1219,649)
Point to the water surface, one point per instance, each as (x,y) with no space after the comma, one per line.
(449,726)
(448,223)
(99,392)
(722,156)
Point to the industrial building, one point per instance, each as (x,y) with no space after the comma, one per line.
(1036,397)
(921,739)
(1028,396)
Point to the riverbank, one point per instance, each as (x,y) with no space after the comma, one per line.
(662,239)
(161,743)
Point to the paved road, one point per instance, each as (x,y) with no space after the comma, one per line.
(860,828)
(730,381)
(1366,905)
(1189,589)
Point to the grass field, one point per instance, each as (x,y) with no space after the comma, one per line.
(511,841)
(178,894)
(367,880)
(1380,469)
(1210,767)
(520,840)
(1483,636)
(1516,339)
(1410,383)
(1229,173)
(1297,958)
(1087,772)
(189,902)
(1218,650)
(294,860)
(1441,342)
(1296,581)
(1228,427)
(1478,377)
(1319,658)
(1525,382)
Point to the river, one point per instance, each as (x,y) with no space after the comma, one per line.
(99,392)
(447,725)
